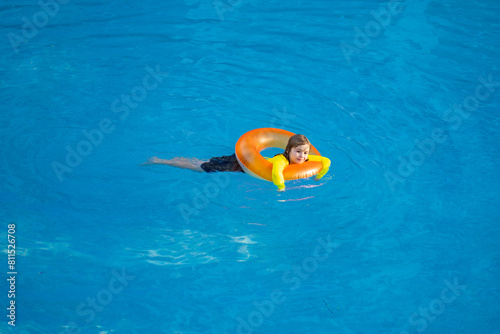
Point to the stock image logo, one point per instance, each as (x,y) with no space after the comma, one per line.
(31,27)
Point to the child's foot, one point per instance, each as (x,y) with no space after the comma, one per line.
(151,161)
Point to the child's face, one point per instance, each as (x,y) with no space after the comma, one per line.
(298,154)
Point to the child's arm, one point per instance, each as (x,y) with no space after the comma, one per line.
(324,161)
(279,163)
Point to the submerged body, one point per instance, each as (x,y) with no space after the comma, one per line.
(248,159)
(229,163)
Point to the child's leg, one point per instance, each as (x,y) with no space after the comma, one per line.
(179,162)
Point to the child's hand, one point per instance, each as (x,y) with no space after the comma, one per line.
(320,177)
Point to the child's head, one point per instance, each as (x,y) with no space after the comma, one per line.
(297,149)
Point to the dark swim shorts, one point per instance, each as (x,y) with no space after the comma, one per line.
(222,164)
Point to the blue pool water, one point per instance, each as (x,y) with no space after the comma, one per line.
(401,236)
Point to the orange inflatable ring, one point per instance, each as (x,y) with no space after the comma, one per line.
(249,146)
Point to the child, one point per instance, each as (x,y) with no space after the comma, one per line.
(296,152)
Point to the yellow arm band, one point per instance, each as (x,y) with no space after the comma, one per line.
(325,163)
(279,163)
